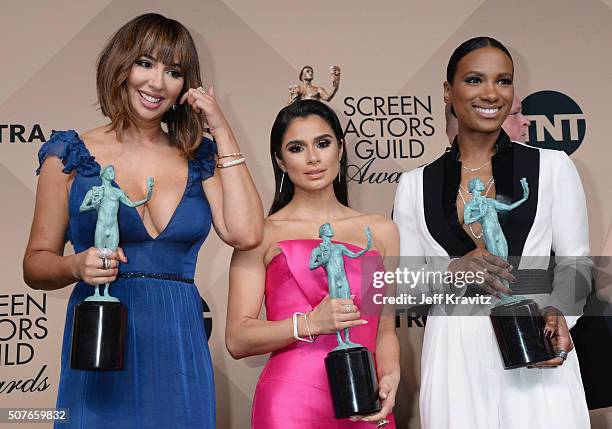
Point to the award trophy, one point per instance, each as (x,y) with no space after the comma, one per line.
(99,324)
(307,91)
(349,366)
(517,321)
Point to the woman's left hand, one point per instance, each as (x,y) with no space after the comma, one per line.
(206,103)
(556,329)
(387,389)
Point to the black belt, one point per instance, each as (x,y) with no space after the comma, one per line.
(528,282)
(159,276)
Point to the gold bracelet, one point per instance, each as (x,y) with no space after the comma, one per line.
(230,155)
(232,163)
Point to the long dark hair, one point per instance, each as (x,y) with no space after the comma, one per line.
(302,109)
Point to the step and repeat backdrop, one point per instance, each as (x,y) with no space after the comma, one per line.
(393,57)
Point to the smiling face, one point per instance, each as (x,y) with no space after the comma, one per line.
(310,153)
(153,87)
(516,125)
(482,90)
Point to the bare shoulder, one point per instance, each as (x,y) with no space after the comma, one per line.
(97,139)
(275,229)
(97,135)
(270,232)
(380,223)
(384,232)
(273,232)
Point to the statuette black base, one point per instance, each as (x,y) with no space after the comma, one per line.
(98,336)
(352,381)
(519,329)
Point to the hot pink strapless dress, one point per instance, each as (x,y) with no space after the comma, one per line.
(292,391)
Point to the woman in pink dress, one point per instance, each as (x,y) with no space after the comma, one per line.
(310,170)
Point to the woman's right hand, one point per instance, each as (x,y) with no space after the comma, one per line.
(334,314)
(490,267)
(88,266)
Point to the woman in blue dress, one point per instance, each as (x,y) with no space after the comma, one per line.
(147,74)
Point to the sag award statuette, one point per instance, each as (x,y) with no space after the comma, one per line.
(517,321)
(307,91)
(99,327)
(350,367)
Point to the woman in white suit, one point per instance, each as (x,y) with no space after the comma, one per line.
(463,382)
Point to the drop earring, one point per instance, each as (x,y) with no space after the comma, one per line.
(280,189)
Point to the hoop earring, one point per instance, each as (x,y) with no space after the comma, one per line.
(175,107)
(280,189)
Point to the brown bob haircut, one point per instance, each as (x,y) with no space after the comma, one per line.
(169,42)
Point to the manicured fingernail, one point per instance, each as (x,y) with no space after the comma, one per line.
(364,322)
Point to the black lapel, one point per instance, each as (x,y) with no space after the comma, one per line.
(518,222)
(502,164)
(437,188)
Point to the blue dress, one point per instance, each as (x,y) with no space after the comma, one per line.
(167,381)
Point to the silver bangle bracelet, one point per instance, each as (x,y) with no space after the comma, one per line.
(295,329)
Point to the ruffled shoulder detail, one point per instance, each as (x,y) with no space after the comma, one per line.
(68,146)
(204,159)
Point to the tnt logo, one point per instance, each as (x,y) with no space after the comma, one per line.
(557,122)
